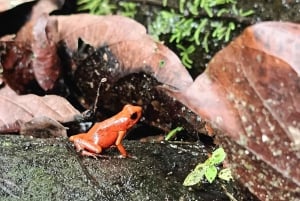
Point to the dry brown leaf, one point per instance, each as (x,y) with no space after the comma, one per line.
(251,92)
(18,109)
(43,127)
(97,30)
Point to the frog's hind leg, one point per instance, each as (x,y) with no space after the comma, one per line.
(87,148)
(87,153)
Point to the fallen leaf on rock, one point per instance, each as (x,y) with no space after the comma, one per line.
(251,92)
(43,127)
(16,109)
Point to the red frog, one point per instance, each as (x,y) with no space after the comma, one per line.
(107,133)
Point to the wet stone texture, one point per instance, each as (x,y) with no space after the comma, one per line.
(50,169)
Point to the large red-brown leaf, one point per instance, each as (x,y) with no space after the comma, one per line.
(134,50)
(17,109)
(251,92)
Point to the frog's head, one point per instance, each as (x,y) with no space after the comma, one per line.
(133,114)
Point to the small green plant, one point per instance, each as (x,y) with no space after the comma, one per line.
(209,170)
(128,9)
(106,7)
(195,23)
(98,7)
(173,132)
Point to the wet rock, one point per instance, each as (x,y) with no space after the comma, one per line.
(50,169)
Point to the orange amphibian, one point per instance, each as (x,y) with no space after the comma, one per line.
(107,133)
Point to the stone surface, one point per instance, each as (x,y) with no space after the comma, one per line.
(50,169)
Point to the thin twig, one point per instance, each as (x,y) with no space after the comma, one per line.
(98,94)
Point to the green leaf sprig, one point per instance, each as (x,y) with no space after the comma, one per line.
(209,170)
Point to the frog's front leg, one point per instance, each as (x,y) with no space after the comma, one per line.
(119,145)
(85,147)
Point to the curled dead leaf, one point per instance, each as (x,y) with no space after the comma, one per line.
(45,63)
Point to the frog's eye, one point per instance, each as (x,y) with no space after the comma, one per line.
(134,116)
